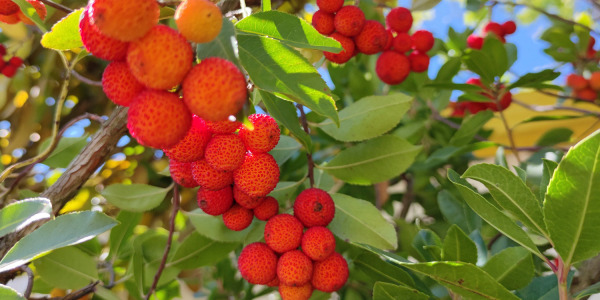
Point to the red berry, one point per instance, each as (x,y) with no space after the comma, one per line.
(181,172)
(314,207)
(347,52)
(268,208)
(390,39)
(258,263)
(323,22)
(586,94)
(372,39)
(215,203)
(509,27)
(402,42)
(289,292)
(422,40)
(419,61)
(283,233)
(246,200)
(191,147)
(330,274)
(210,178)
(261,135)
(294,268)
(399,19)
(8,7)
(258,175)
(9,70)
(577,82)
(97,43)
(495,28)
(2,47)
(475,42)
(15,61)
(318,243)
(119,85)
(225,152)
(330,6)
(392,67)
(237,218)
(349,20)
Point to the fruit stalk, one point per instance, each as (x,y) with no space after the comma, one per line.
(311,164)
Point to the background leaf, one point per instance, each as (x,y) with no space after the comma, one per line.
(458,246)
(378,270)
(285,149)
(285,113)
(458,212)
(134,197)
(197,250)
(388,291)
(7,293)
(469,127)
(64,152)
(512,267)
(17,215)
(67,268)
(213,227)
(122,232)
(221,46)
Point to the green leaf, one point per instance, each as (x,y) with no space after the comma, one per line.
(448,70)
(495,49)
(67,268)
(389,291)
(55,234)
(555,136)
(378,270)
(285,190)
(323,180)
(213,228)
(470,127)
(464,279)
(30,12)
(7,293)
(166,13)
(360,222)
(221,46)
(588,291)
(512,267)
(285,113)
(279,69)
(473,97)
(458,212)
(368,117)
(511,193)
(550,118)
(423,4)
(285,149)
(65,151)
(572,202)
(458,246)
(197,251)
(492,215)
(482,64)
(511,53)
(428,245)
(64,34)
(548,170)
(121,233)
(455,86)
(373,161)
(532,79)
(134,197)
(16,216)
(289,29)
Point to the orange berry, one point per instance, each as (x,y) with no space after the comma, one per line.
(402,42)
(199,21)
(274,282)
(210,178)
(349,20)
(258,175)
(246,200)
(225,152)
(119,85)
(8,7)
(314,207)
(595,81)
(237,218)
(294,268)
(302,292)
(323,22)
(215,89)
(577,82)
(181,172)
(283,233)
(261,135)
(344,55)
(216,202)
(161,59)
(223,127)
(392,67)
(40,9)
(422,40)
(158,119)
(318,243)
(372,39)
(98,44)
(10,19)
(330,274)
(586,94)
(191,147)
(258,263)
(268,208)
(419,61)
(124,20)
(399,19)
(330,6)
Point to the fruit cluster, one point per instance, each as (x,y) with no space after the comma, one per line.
(10,13)
(498,30)
(295,260)
(9,67)
(585,89)
(348,25)
(474,107)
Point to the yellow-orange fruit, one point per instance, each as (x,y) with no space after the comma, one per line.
(330,274)
(223,127)
(283,233)
(8,7)
(181,172)
(237,218)
(216,202)
(595,81)
(261,135)
(372,38)
(119,85)
(246,200)
(158,119)
(318,243)
(199,21)
(225,152)
(258,175)
(314,207)
(294,268)
(215,89)
(274,282)
(258,263)
(124,20)
(98,44)
(302,292)
(586,94)
(210,178)
(191,147)
(10,19)
(40,9)
(161,59)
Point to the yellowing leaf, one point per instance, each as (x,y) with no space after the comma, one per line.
(64,35)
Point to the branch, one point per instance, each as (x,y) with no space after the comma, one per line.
(57,6)
(311,163)
(29,288)
(408,197)
(163,262)
(90,288)
(545,108)
(86,80)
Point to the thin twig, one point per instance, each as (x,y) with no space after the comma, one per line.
(510,136)
(57,6)
(90,288)
(562,96)
(311,163)
(29,288)
(408,197)
(546,108)
(163,262)
(86,80)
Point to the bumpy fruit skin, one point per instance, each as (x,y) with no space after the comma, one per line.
(419,61)
(330,274)
(199,21)
(475,42)
(223,127)
(98,44)
(495,28)
(181,172)
(268,208)
(215,203)
(258,263)
(158,119)
(509,27)
(349,20)
(318,243)
(161,59)
(119,85)
(314,207)
(577,82)
(274,282)
(215,89)
(344,55)
(237,218)
(208,177)
(191,147)
(392,67)
(402,42)
(8,7)
(586,94)
(323,22)
(422,40)
(261,135)
(283,233)
(399,19)
(330,6)
(225,152)
(294,268)
(246,200)
(258,175)
(372,39)
(390,39)
(124,20)
(40,9)
(302,292)
(595,81)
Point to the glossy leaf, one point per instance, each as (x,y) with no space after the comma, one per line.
(29,11)
(64,34)
(285,149)
(213,228)
(45,238)
(555,136)
(428,245)
(481,63)
(64,152)
(458,212)
(360,222)
(389,291)
(512,267)
(222,46)
(286,114)
(373,161)
(495,49)
(134,197)
(8,293)
(67,268)
(458,246)
(284,191)
(469,127)
(16,216)
(122,232)
(573,201)
(379,270)
(547,172)
(196,251)
(533,79)
(448,70)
